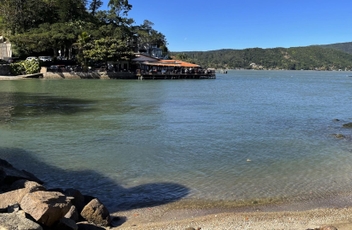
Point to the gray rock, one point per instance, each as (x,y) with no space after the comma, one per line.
(9,174)
(347,125)
(46,207)
(96,213)
(17,220)
(66,224)
(339,136)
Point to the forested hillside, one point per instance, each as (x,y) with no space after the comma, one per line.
(344,47)
(297,58)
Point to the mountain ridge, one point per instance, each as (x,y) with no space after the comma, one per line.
(337,56)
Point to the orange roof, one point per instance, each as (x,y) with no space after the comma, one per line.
(172,63)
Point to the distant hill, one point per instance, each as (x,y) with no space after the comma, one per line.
(344,47)
(323,57)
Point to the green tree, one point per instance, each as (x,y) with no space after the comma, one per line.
(94,6)
(148,37)
(107,49)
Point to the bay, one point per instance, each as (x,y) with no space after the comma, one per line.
(245,136)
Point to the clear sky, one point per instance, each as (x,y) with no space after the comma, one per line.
(202,25)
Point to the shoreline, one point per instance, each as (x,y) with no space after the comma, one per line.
(313,214)
(157,218)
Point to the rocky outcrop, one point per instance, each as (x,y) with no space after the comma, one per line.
(26,204)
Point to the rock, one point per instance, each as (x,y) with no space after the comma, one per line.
(96,213)
(46,207)
(16,196)
(17,220)
(72,214)
(66,224)
(88,226)
(78,199)
(339,135)
(328,228)
(31,185)
(9,174)
(13,208)
(347,125)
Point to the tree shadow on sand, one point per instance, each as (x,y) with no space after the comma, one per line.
(114,196)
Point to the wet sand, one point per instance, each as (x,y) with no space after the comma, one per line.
(314,214)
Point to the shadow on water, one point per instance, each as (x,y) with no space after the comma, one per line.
(89,182)
(13,105)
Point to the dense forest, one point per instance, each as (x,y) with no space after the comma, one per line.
(344,47)
(328,57)
(76,29)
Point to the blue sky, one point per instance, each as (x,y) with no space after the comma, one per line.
(195,25)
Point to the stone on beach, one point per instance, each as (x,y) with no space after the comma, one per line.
(96,213)
(46,207)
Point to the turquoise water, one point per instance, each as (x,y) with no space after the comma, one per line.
(247,135)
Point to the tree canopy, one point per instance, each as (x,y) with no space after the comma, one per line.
(49,26)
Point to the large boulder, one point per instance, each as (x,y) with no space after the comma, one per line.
(17,220)
(9,174)
(16,196)
(46,207)
(95,212)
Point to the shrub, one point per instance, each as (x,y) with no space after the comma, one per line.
(17,68)
(25,67)
(31,66)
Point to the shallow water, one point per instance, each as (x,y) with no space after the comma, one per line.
(247,135)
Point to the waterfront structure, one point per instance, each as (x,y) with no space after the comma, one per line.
(148,67)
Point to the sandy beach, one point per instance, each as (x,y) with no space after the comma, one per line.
(11,77)
(316,214)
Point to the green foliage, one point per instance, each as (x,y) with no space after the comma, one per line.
(297,58)
(106,49)
(344,47)
(46,26)
(25,67)
(31,66)
(17,68)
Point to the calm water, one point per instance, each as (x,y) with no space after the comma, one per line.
(247,135)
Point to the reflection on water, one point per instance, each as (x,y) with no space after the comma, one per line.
(191,137)
(19,105)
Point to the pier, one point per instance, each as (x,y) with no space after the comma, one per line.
(170,76)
